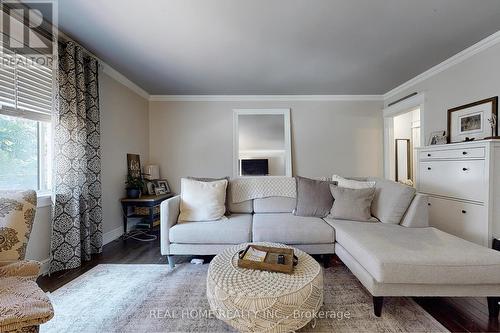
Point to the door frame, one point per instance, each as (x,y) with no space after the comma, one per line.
(412,103)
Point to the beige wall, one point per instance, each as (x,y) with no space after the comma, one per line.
(124,124)
(196,138)
(474,79)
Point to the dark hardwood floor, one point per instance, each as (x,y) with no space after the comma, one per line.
(456,314)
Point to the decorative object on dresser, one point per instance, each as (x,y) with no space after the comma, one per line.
(462,182)
(438,138)
(470,121)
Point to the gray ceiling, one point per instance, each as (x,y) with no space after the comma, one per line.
(276,46)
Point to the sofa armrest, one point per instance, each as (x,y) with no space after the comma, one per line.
(417,215)
(169,213)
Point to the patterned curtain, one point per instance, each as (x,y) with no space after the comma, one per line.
(77,221)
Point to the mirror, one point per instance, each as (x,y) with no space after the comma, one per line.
(262,143)
(403,165)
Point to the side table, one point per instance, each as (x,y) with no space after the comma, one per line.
(148,201)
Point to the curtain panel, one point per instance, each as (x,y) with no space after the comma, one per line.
(77,216)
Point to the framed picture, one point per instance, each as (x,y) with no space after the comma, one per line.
(160,190)
(134,165)
(473,121)
(151,188)
(163,184)
(437,138)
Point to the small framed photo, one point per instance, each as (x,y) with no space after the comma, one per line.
(160,190)
(163,184)
(150,186)
(437,138)
(474,121)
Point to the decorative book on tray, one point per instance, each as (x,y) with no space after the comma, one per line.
(274,259)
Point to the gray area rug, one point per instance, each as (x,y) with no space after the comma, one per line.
(151,298)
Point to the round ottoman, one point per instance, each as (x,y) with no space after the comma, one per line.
(261,301)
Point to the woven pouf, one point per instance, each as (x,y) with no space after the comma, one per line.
(260,301)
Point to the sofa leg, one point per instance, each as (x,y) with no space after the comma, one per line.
(171,262)
(493,306)
(378,302)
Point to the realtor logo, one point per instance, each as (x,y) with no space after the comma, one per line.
(25,29)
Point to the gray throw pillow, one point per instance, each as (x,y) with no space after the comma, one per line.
(351,204)
(313,197)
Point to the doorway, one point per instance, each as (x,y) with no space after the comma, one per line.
(402,135)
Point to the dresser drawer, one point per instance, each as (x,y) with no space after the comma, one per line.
(464,220)
(458,179)
(464,153)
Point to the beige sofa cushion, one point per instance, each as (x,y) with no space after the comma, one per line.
(290,229)
(274,205)
(234,229)
(391,201)
(397,254)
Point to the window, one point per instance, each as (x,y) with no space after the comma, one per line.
(25,122)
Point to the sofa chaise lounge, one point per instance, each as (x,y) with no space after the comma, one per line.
(401,257)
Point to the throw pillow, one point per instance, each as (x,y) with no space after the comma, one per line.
(313,197)
(391,201)
(202,201)
(351,183)
(208,179)
(351,204)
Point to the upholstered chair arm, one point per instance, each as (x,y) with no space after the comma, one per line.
(417,215)
(169,213)
(24,268)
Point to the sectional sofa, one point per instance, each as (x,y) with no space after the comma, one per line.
(397,254)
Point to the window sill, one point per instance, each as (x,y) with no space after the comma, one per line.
(44,199)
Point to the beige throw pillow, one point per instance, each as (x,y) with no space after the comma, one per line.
(351,183)
(202,201)
(351,204)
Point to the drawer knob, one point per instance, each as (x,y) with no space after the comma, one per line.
(464,211)
(429,204)
(464,153)
(465,169)
(428,168)
(429,155)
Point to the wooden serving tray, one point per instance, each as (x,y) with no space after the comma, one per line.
(270,263)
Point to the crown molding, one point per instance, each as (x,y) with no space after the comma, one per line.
(123,80)
(480,46)
(270,98)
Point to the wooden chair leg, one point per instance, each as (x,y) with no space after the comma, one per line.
(378,302)
(493,306)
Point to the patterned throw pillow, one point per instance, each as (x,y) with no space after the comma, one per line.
(17,212)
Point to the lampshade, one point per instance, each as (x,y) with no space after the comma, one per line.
(152,172)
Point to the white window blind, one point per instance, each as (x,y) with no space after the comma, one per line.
(25,87)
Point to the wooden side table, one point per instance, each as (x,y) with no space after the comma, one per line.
(148,201)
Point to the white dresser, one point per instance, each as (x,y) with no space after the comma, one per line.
(463,184)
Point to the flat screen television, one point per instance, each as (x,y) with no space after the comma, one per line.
(255,167)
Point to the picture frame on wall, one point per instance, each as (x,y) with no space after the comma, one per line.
(472,121)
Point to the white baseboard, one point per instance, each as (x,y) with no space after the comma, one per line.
(44,267)
(110,236)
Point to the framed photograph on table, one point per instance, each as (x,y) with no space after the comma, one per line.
(474,121)
(163,184)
